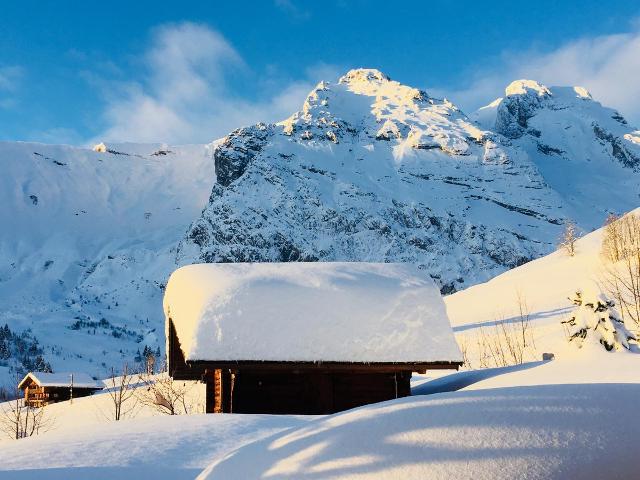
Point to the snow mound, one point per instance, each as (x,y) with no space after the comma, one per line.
(546,432)
(348,312)
(161,447)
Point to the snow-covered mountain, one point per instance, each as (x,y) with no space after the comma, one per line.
(85,246)
(369,169)
(586,152)
(373,170)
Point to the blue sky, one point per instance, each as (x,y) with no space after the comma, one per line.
(190,71)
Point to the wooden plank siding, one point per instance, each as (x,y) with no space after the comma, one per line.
(313,393)
(36,396)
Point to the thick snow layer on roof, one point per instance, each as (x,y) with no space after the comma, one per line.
(63,379)
(342,312)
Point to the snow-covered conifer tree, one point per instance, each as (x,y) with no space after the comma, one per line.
(595,320)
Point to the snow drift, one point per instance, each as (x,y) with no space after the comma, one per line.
(546,432)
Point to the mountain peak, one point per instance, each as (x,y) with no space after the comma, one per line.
(527,87)
(364,75)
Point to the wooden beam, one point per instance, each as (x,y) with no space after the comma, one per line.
(194,369)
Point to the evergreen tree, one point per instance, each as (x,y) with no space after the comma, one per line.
(595,320)
(5,353)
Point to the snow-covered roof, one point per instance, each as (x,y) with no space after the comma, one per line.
(62,379)
(330,312)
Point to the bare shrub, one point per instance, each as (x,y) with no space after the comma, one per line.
(501,345)
(166,395)
(463,343)
(19,420)
(507,342)
(569,237)
(121,390)
(524,320)
(620,277)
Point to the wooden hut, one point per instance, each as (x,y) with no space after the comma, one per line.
(304,338)
(41,389)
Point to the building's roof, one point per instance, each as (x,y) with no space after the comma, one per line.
(62,379)
(309,312)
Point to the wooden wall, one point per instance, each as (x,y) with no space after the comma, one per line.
(36,396)
(291,392)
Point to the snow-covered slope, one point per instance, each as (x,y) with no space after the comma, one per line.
(373,170)
(557,420)
(542,288)
(85,245)
(86,446)
(549,432)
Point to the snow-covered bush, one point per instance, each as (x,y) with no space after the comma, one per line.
(595,320)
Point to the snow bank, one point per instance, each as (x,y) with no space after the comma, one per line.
(164,447)
(346,312)
(547,432)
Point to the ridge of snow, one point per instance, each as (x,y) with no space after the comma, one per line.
(495,434)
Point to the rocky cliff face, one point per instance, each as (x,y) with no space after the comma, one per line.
(373,170)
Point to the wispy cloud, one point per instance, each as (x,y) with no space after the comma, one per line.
(186,97)
(608,66)
(10,77)
(292,9)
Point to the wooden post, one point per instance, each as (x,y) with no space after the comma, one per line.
(226,391)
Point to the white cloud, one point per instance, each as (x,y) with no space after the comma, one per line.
(9,83)
(185,97)
(608,66)
(293,10)
(9,77)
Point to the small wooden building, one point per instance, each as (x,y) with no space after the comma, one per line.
(41,388)
(304,338)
